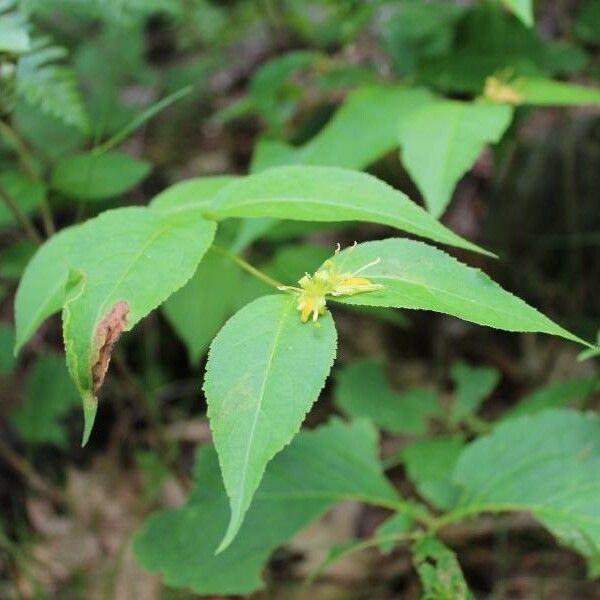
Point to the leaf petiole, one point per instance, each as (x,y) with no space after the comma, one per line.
(246,266)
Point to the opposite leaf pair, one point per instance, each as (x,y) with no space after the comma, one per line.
(266,367)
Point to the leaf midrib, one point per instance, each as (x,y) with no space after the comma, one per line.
(164,228)
(435,228)
(269,364)
(433,288)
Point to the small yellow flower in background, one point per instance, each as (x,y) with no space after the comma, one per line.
(328,280)
(500,88)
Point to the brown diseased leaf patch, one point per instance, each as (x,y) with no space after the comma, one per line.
(107,333)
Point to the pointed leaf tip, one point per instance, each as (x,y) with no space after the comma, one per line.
(90,406)
(257,403)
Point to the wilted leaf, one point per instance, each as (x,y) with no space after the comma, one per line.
(124,263)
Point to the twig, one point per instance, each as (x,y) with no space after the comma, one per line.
(20,147)
(20,216)
(30,168)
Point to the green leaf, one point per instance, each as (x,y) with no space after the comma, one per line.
(368,115)
(329,194)
(51,395)
(441,141)
(547,92)
(198,310)
(43,82)
(41,291)
(555,395)
(258,400)
(92,177)
(523,9)
(190,195)
(430,464)
(27,195)
(473,386)
(7,341)
(416,31)
(415,275)
(589,353)
(362,390)
(439,571)
(273,93)
(319,468)
(546,464)
(124,263)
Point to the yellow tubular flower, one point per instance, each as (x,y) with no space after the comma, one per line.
(327,281)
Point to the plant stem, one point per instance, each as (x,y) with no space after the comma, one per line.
(395,538)
(460,514)
(150,112)
(47,219)
(247,266)
(30,168)
(21,149)
(20,216)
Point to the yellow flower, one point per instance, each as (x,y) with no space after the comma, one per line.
(328,281)
(497,89)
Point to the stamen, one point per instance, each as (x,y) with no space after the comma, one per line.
(340,266)
(371,264)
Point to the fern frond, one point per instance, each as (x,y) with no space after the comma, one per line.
(14,29)
(51,86)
